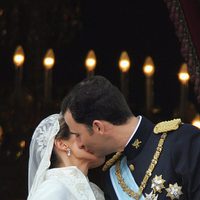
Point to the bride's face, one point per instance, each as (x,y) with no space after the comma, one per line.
(83,155)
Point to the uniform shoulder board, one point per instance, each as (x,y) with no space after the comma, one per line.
(166,126)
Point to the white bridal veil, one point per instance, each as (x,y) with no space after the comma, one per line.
(40,151)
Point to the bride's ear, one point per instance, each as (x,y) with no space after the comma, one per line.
(60,144)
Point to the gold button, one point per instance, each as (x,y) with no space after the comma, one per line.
(132,167)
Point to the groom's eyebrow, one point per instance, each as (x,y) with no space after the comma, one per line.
(74,133)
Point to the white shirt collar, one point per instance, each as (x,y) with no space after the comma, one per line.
(136,128)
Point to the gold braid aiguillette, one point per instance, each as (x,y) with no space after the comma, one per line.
(154,161)
(111,161)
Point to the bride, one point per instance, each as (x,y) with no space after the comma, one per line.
(57,167)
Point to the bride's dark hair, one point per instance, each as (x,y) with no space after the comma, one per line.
(63,133)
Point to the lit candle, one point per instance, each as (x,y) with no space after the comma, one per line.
(149,69)
(124,66)
(184,77)
(196,121)
(90,63)
(18,59)
(48,62)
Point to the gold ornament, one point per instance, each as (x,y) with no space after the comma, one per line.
(157,184)
(174,191)
(136,143)
(167,126)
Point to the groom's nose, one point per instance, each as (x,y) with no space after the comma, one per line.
(80,144)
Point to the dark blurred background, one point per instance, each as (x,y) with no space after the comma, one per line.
(72,28)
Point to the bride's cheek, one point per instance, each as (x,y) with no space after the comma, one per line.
(86,155)
(89,156)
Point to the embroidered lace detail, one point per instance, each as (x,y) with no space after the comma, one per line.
(43,132)
(98,193)
(76,182)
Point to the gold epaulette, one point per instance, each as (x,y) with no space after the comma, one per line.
(167,126)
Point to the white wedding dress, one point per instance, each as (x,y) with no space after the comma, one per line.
(67,183)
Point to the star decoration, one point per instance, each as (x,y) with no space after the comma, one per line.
(151,196)
(157,184)
(136,143)
(174,191)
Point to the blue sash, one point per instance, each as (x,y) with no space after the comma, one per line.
(128,178)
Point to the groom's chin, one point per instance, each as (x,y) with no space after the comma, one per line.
(100,161)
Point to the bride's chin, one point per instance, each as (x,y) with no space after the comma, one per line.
(92,157)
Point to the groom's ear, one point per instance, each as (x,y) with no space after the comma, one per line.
(98,127)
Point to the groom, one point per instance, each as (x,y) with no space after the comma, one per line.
(154,162)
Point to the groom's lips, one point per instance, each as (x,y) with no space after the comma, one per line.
(87,150)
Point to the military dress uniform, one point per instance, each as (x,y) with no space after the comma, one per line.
(160,162)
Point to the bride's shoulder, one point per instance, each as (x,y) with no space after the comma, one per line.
(50,189)
(99,195)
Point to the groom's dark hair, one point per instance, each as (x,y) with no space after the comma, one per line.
(95,98)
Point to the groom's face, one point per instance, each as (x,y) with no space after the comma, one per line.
(86,139)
